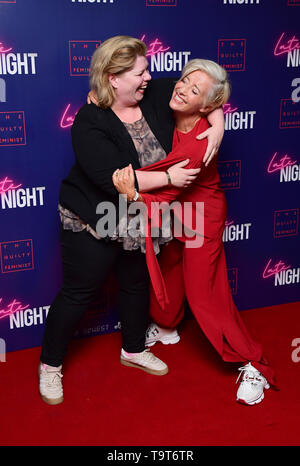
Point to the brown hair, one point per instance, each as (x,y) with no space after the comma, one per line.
(114,56)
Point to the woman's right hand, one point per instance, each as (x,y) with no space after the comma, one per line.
(92,98)
(182,177)
(124,181)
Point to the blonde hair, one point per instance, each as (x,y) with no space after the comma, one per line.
(114,56)
(219,93)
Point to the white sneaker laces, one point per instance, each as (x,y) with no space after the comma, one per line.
(147,356)
(152,330)
(254,377)
(53,380)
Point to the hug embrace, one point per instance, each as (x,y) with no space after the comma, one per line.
(155,143)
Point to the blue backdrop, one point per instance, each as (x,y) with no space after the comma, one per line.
(45,50)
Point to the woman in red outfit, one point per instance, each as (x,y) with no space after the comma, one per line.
(196,269)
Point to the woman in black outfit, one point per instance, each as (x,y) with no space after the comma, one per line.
(132,124)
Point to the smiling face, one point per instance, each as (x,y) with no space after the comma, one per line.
(189,95)
(130,85)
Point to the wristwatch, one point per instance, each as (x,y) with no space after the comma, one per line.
(136,196)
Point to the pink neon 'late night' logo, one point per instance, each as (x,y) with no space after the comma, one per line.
(228,109)
(228,223)
(282,47)
(3,49)
(277,268)
(155,47)
(67,118)
(12,308)
(277,164)
(6,185)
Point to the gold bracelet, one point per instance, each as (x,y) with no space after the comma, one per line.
(169,177)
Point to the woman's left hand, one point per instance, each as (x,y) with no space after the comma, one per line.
(214,135)
(124,181)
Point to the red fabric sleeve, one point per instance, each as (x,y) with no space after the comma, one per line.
(169,193)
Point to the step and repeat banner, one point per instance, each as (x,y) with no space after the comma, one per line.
(45,52)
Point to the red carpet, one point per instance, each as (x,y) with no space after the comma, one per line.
(109,404)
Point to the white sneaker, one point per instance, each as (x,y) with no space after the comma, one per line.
(145,361)
(251,389)
(51,389)
(155,333)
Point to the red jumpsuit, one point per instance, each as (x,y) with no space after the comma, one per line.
(200,273)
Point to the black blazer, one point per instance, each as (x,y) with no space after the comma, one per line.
(102,144)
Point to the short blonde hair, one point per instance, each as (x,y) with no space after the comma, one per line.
(114,56)
(219,93)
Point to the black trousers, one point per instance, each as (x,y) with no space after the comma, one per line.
(86,265)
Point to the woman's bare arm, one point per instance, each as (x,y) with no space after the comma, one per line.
(179,177)
(214,134)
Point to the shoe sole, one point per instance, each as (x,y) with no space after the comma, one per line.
(52,401)
(255,402)
(146,369)
(164,341)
